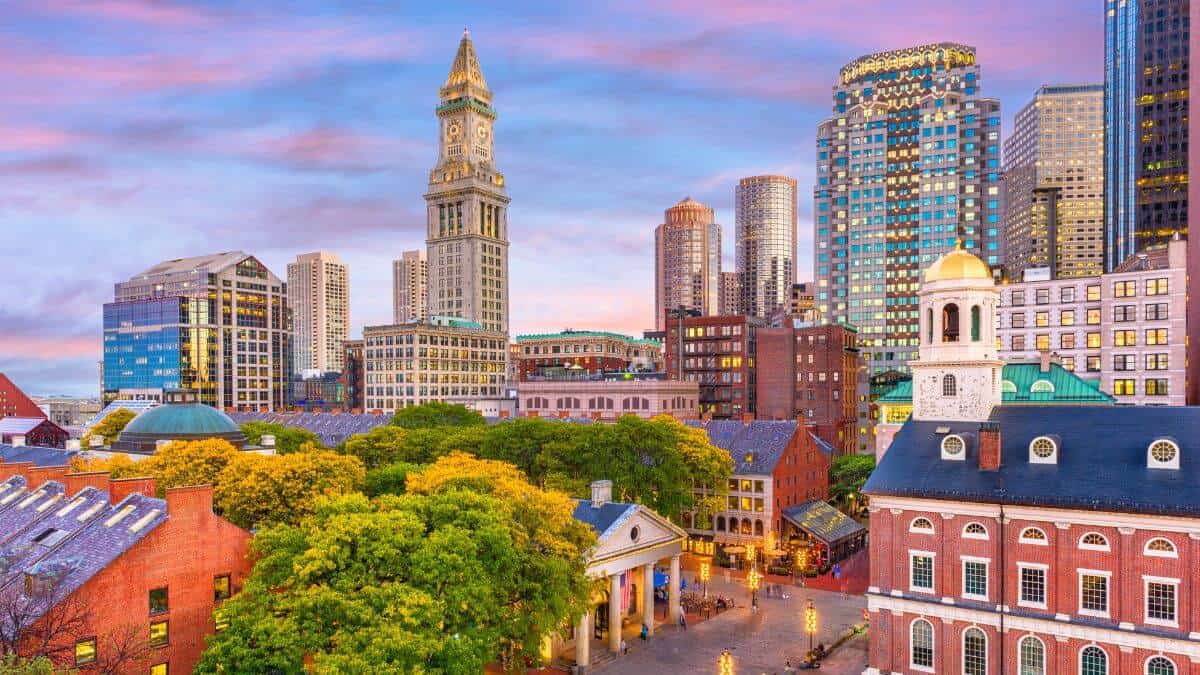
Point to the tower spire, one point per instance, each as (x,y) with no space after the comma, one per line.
(465,70)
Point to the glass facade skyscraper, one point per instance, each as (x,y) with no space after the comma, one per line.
(157,344)
(765,215)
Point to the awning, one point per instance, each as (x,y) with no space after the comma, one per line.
(823,522)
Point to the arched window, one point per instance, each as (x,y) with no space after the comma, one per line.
(746,528)
(975,531)
(1161,548)
(920,650)
(950,323)
(953,446)
(1093,541)
(1008,387)
(1042,387)
(949,385)
(758,528)
(1159,665)
(1042,450)
(974,652)
(922,525)
(687,519)
(929,326)
(1032,657)
(1032,535)
(976,320)
(720,523)
(1093,661)
(1163,454)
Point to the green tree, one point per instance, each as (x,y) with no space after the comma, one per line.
(847,474)
(390,480)
(258,490)
(287,439)
(110,427)
(437,414)
(472,567)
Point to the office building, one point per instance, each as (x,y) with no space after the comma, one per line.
(467,204)
(410,287)
(443,359)
(765,214)
(687,261)
(717,353)
(1054,184)
(319,297)
(908,168)
(218,325)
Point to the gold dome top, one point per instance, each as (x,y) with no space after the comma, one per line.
(958,264)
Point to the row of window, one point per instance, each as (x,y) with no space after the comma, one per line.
(1121,289)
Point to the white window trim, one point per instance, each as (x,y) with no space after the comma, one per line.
(968,535)
(987,576)
(1034,542)
(1146,663)
(1146,581)
(962,454)
(1046,585)
(912,525)
(1173,553)
(986,647)
(1152,463)
(1094,547)
(1080,572)
(1052,459)
(933,573)
(1107,658)
(933,646)
(1045,652)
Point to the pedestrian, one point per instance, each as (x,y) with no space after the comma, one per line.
(683,619)
(624,647)
(645,634)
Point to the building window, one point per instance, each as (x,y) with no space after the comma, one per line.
(949,385)
(974,652)
(1160,665)
(1093,541)
(921,525)
(1124,362)
(1125,313)
(1018,343)
(1093,341)
(1042,342)
(1018,298)
(85,651)
(159,634)
(1160,601)
(1093,593)
(1157,387)
(950,323)
(1066,317)
(1124,387)
(1160,548)
(1018,320)
(1158,362)
(952,447)
(1125,338)
(1066,294)
(1157,287)
(1163,454)
(1033,585)
(976,320)
(1032,656)
(1093,293)
(921,572)
(221,588)
(1093,661)
(1093,317)
(1157,311)
(1033,535)
(1124,289)
(975,531)
(921,648)
(158,600)
(1042,450)
(1041,319)
(1042,296)
(975,579)
(160,669)
(1156,336)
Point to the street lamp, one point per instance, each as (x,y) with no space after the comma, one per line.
(725,663)
(753,580)
(704,577)
(810,625)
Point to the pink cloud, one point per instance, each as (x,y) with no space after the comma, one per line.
(151,12)
(15,138)
(328,148)
(48,347)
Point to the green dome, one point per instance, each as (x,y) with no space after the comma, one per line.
(182,418)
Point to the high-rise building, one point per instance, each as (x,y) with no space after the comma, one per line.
(765,213)
(319,297)
(731,293)
(1054,184)
(1146,115)
(687,261)
(467,203)
(218,325)
(410,287)
(908,168)
(717,352)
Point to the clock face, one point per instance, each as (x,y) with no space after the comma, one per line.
(453,129)
(482,131)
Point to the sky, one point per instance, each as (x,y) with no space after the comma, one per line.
(136,131)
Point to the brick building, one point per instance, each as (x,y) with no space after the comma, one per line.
(585,352)
(32,431)
(716,352)
(118,563)
(14,402)
(352,380)
(811,371)
(1049,538)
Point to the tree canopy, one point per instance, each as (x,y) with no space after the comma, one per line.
(847,475)
(437,414)
(287,439)
(110,427)
(473,566)
(258,490)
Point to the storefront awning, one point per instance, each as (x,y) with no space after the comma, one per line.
(822,521)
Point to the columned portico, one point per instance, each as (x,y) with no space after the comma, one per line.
(673,593)
(648,597)
(614,613)
(583,640)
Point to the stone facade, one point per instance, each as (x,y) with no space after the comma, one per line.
(607,399)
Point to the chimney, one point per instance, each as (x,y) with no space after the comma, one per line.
(18,440)
(41,474)
(601,493)
(1044,360)
(120,488)
(73,444)
(989,446)
(78,481)
(267,440)
(747,418)
(190,499)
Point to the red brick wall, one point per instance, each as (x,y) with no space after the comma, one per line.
(802,474)
(776,382)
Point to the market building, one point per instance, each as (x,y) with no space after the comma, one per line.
(573,353)
(609,397)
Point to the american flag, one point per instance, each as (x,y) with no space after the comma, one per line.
(624,592)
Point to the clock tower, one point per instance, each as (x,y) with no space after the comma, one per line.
(467,203)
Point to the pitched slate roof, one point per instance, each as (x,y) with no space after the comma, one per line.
(605,518)
(331,429)
(755,447)
(21,512)
(1101,460)
(21,550)
(1067,387)
(38,455)
(823,521)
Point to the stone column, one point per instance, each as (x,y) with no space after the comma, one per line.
(648,597)
(583,640)
(614,614)
(673,592)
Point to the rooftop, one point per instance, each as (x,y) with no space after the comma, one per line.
(605,518)
(823,521)
(1018,387)
(755,447)
(212,263)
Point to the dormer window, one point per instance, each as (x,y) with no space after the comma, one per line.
(1043,450)
(921,525)
(1042,387)
(953,447)
(1163,454)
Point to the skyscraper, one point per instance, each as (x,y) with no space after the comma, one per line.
(467,203)
(1146,112)
(731,293)
(907,168)
(1054,184)
(687,261)
(319,296)
(218,325)
(765,214)
(410,287)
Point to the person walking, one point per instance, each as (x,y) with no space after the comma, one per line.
(683,620)
(624,646)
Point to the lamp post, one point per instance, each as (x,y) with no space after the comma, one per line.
(810,625)
(753,580)
(704,577)
(725,663)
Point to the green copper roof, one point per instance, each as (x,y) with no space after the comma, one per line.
(181,418)
(1026,383)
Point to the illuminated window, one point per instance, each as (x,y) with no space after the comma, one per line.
(159,633)
(85,651)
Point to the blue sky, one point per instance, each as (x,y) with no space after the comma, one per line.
(133,131)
